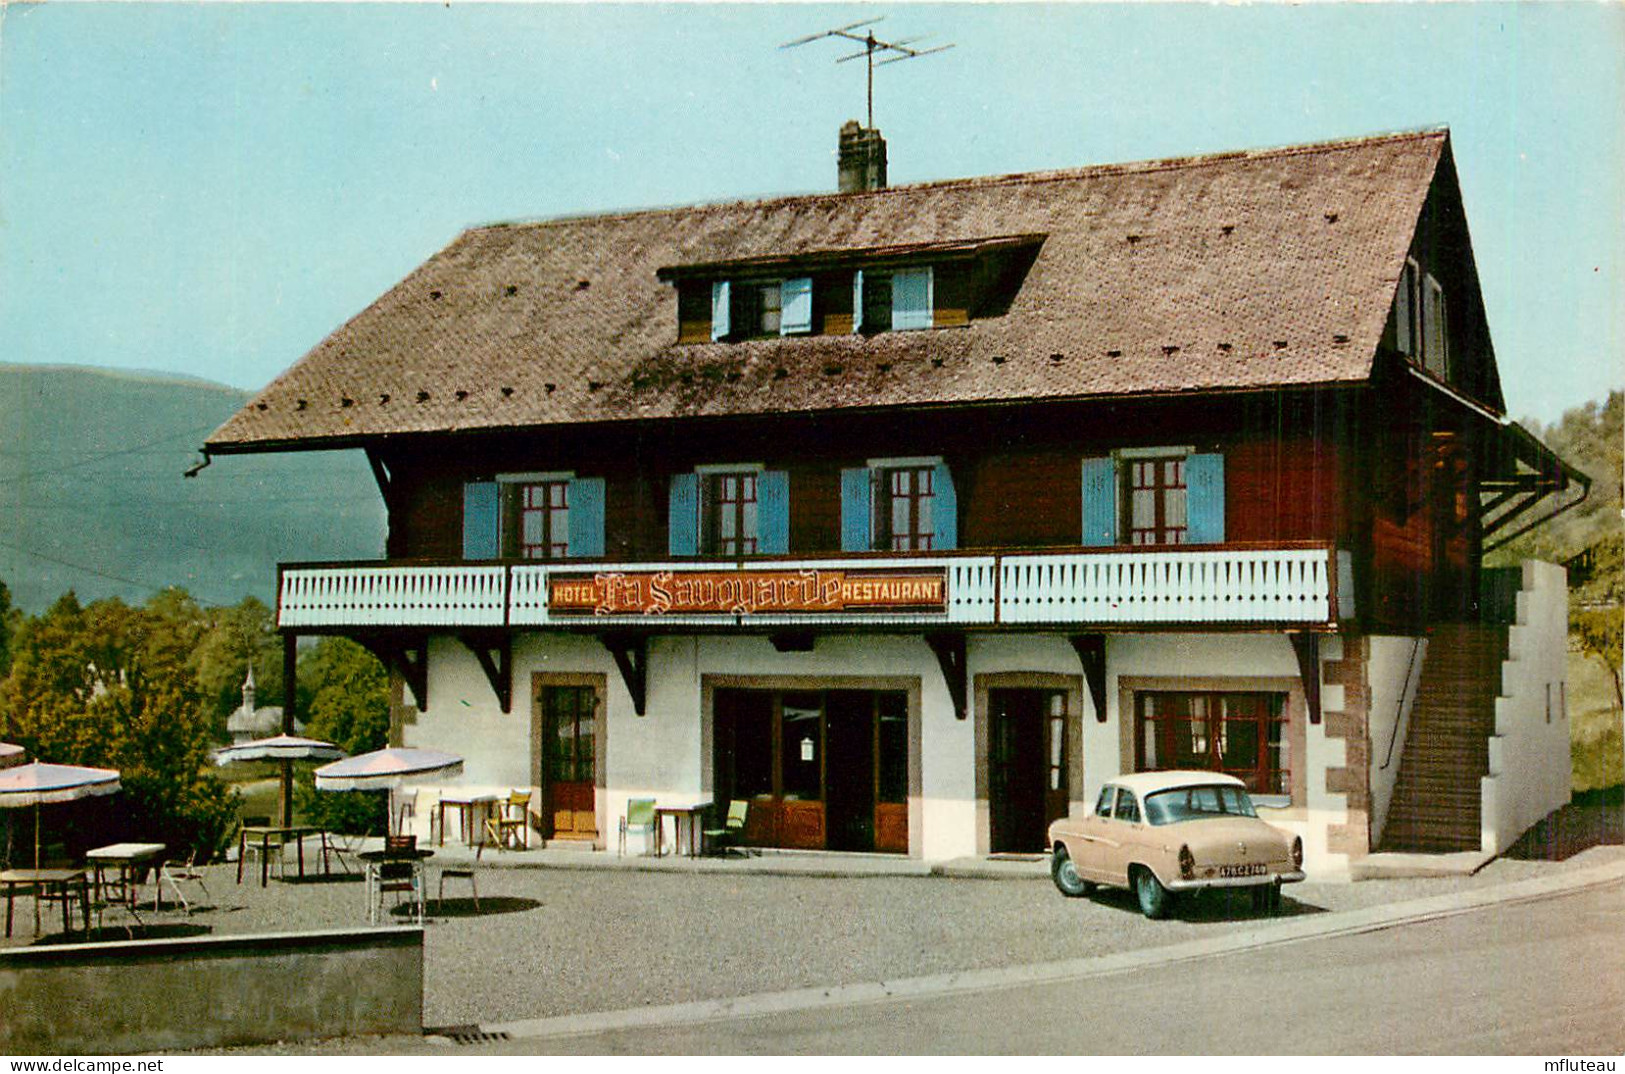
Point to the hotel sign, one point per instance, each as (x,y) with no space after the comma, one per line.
(753,592)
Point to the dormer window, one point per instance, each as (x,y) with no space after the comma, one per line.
(884,289)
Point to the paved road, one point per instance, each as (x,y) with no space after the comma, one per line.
(1543,977)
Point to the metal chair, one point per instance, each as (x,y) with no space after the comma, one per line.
(640,816)
(400,871)
(460,872)
(174,873)
(726,838)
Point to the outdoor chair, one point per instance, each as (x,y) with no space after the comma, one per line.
(726,838)
(460,872)
(640,816)
(399,872)
(271,848)
(175,873)
(423,802)
(512,826)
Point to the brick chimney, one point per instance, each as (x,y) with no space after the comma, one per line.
(862,158)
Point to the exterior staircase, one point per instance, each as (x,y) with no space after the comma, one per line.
(1437,804)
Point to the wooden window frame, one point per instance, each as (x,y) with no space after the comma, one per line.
(745,540)
(1266,777)
(1162,533)
(921,496)
(555,520)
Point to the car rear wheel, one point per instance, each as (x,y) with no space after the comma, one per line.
(1155,900)
(1065,874)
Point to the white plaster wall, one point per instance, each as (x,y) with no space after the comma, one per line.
(1394,672)
(1529,753)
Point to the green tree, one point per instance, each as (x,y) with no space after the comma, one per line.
(8,627)
(113,686)
(233,639)
(344,694)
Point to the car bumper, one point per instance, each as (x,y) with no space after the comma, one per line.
(1234,881)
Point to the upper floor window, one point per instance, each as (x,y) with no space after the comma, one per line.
(543,517)
(1154,497)
(546,516)
(739,510)
(899,505)
(1420,321)
(906,497)
(730,506)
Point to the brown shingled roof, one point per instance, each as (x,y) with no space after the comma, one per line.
(1234,271)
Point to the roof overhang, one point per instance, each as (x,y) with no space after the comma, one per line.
(1517,472)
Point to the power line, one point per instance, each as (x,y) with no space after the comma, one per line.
(133,449)
(148,586)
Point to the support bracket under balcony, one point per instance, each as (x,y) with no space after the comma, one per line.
(405,654)
(1091,650)
(494,650)
(631,652)
(950,649)
(1307,648)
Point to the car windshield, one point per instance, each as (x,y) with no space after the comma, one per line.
(1195,803)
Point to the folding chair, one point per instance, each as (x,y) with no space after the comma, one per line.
(191,872)
(460,872)
(513,825)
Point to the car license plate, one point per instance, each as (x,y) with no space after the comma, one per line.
(1256,868)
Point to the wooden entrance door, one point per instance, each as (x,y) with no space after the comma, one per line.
(1027,778)
(569,760)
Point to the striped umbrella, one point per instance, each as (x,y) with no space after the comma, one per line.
(387,769)
(284,749)
(40,784)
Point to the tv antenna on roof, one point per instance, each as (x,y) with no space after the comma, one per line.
(871,45)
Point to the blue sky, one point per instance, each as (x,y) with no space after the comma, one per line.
(210,189)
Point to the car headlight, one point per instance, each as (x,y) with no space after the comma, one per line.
(1187,863)
(1297,852)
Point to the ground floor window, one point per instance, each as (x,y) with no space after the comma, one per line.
(1240,734)
(821,769)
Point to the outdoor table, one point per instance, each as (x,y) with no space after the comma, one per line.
(133,861)
(283,834)
(468,803)
(375,859)
(42,881)
(690,815)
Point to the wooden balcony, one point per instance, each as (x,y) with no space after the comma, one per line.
(1300,586)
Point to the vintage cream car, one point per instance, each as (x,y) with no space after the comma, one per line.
(1162,833)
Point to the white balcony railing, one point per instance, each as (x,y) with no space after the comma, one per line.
(393,596)
(1297,586)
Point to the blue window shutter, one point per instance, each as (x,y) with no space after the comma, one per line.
(721,307)
(482,516)
(795,306)
(911,299)
(855,525)
(1204,499)
(945,509)
(587,517)
(773,512)
(683,515)
(857,301)
(1099,502)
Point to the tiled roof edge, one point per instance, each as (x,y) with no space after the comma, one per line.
(1053,175)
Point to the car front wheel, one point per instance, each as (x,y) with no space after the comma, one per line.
(1065,874)
(1155,900)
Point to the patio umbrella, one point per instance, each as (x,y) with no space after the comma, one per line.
(11,755)
(387,769)
(40,784)
(284,749)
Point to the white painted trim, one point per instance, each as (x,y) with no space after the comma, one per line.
(1153,452)
(730,467)
(537,476)
(903,462)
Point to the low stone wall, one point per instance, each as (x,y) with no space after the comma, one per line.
(166,995)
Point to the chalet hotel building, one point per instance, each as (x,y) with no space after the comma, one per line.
(911,515)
